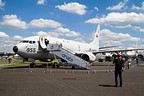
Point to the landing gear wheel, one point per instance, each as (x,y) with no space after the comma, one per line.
(73,67)
(32,65)
(53,65)
(58,66)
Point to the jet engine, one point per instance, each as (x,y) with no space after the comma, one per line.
(88,56)
(43,42)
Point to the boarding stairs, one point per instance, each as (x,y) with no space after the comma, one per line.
(68,55)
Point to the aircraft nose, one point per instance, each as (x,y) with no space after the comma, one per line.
(15,49)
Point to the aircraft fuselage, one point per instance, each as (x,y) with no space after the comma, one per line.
(30,47)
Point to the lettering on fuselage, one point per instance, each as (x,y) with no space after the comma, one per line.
(31,50)
(67,57)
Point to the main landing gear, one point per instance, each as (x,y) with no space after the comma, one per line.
(32,65)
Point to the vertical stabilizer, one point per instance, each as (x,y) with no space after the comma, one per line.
(95,41)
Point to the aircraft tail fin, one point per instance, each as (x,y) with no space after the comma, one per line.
(95,41)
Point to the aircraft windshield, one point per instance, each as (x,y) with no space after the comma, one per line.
(26,41)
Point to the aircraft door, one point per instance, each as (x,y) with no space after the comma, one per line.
(43,42)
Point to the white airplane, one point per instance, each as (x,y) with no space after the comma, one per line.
(38,47)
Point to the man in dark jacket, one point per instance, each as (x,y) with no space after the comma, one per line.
(119,63)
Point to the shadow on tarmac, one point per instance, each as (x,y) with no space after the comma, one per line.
(106,85)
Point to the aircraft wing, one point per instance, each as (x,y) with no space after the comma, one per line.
(109,47)
(108,51)
(116,51)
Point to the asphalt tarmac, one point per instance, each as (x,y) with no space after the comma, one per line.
(68,82)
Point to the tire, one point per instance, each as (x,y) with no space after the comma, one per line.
(73,67)
(32,65)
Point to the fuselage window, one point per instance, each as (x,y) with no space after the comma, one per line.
(34,42)
(30,42)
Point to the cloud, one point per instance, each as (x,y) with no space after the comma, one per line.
(2,4)
(136,28)
(41,33)
(126,26)
(119,18)
(7,42)
(138,8)
(111,38)
(41,2)
(96,8)
(3,35)
(65,32)
(43,23)
(7,45)
(119,6)
(17,38)
(73,7)
(13,21)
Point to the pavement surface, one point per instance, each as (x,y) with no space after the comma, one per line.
(68,82)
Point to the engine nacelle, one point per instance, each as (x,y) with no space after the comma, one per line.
(43,42)
(88,56)
(131,53)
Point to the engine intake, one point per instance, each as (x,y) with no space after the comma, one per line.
(88,57)
(43,42)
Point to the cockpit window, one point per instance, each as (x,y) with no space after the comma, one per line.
(26,41)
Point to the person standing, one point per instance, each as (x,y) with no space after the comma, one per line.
(137,60)
(119,64)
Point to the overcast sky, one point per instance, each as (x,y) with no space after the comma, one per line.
(121,21)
